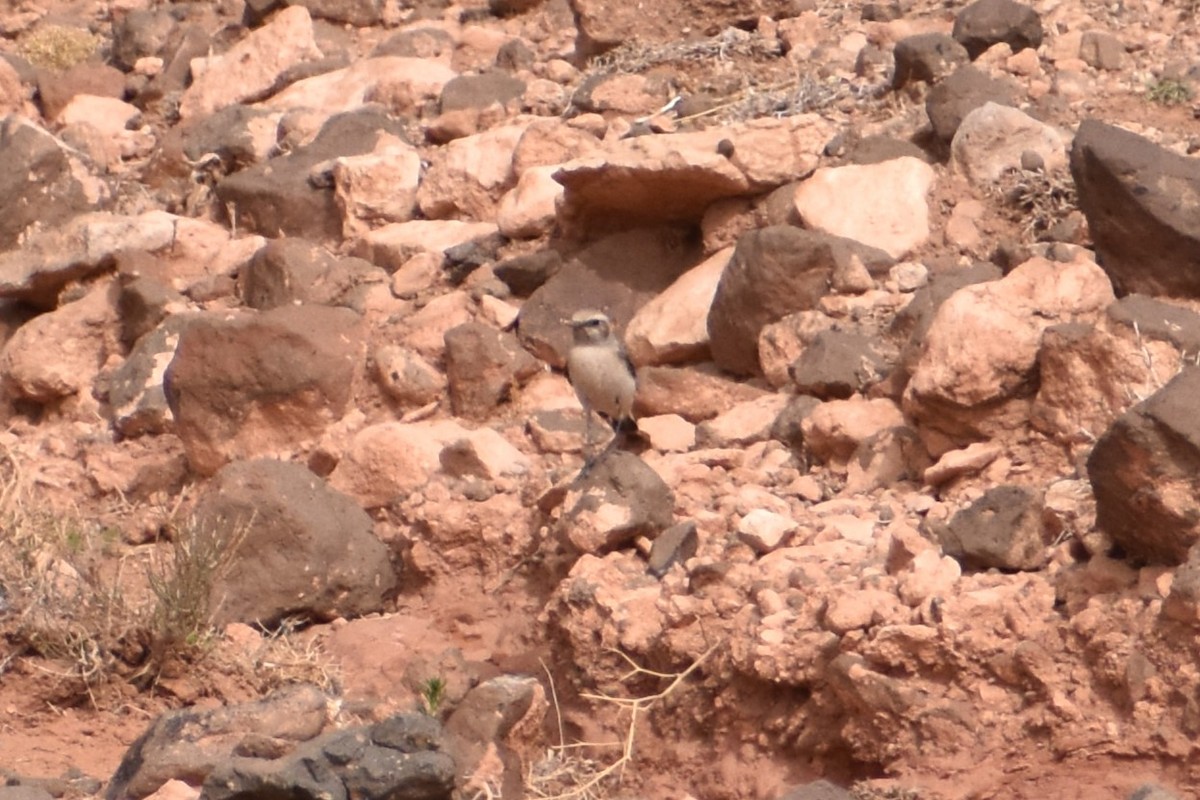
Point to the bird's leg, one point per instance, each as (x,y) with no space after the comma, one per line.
(588,460)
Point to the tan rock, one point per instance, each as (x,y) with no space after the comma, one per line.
(695,394)
(528,209)
(668,433)
(399,83)
(992,138)
(969,460)
(673,327)
(252,66)
(882,205)
(379,187)
(393,245)
(392,459)
(467,178)
(982,345)
(765,530)
(747,422)
(425,331)
(835,429)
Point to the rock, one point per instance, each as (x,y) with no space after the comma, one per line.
(668,433)
(360,13)
(1152,792)
(141,33)
(393,459)
(45,185)
(295,271)
(617,274)
(238,135)
(889,209)
(485,455)
(926,57)
(747,422)
(21,792)
(818,790)
(1000,530)
(775,271)
(674,178)
(252,384)
(484,368)
(400,757)
(982,346)
(969,460)
(529,209)
(1129,190)
(406,377)
(765,530)
(602,26)
(993,139)
(789,425)
(620,93)
(393,245)
(672,327)
(987,22)
(467,178)
(838,364)
(479,725)
(135,392)
(1101,50)
(400,85)
(834,430)
(296,547)
(616,501)
(524,274)
(965,90)
(695,394)
(251,68)
(675,545)
(480,91)
(190,743)
(56,88)
(1069,507)
(58,355)
(1144,467)
(279,198)
(377,188)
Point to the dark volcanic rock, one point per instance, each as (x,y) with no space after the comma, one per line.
(1002,530)
(965,90)
(838,364)
(926,57)
(480,91)
(988,22)
(297,547)
(1145,472)
(614,502)
(484,367)
(1133,193)
(775,271)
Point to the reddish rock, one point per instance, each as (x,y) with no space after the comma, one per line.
(252,384)
(672,328)
(484,368)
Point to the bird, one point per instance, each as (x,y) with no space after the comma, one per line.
(602,375)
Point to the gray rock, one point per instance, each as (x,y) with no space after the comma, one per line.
(416,43)
(229,133)
(141,33)
(144,296)
(41,182)
(306,550)
(24,792)
(357,763)
(291,270)
(775,271)
(1101,50)
(524,274)
(484,367)
(675,545)
(788,427)
(481,722)
(360,13)
(1142,465)
(278,197)
(1129,189)
(621,481)
(927,58)
(480,91)
(988,22)
(515,54)
(965,90)
(135,392)
(1001,530)
(188,745)
(838,364)
(1157,320)
(1152,792)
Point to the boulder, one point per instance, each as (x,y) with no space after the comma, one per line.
(616,500)
(1145,472)
(467,178)
(251,384)
(993,139)
(1129,188)
(1001,530)
(965,90)
(926,58)
(776,271)
(294,547)
(672,327)
(987,22)
(484,368)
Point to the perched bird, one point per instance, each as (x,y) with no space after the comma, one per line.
(602,374)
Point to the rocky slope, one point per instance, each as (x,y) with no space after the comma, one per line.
(290,456)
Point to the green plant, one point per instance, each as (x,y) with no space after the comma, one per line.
(1168,92)
(58,46)
(433,695)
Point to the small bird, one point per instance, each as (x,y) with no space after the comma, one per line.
(602,374)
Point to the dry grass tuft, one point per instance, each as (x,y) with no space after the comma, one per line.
(1036,199)
(635,56)
(58,46)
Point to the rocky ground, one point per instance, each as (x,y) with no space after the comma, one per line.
(293,493)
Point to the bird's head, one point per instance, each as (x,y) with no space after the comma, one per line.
(590,326)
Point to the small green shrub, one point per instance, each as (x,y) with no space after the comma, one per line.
(433,694)
(1168,92)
